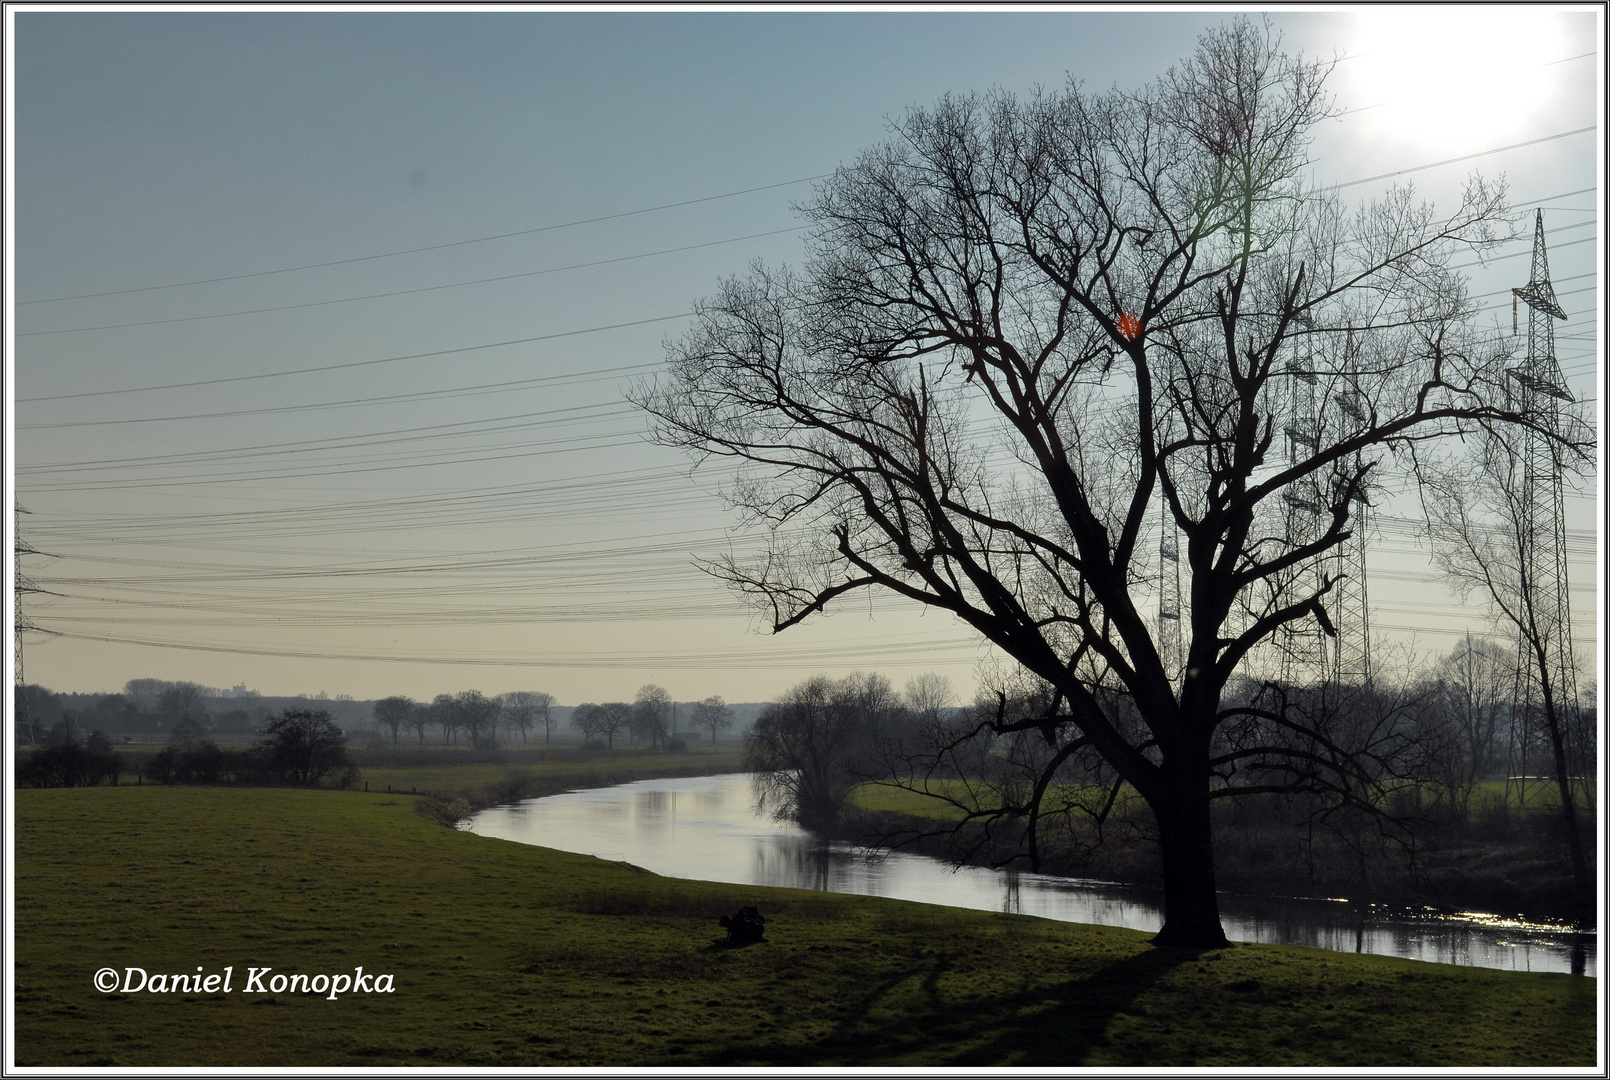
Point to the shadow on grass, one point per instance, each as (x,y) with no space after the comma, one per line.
(721,945)
(1048,1024)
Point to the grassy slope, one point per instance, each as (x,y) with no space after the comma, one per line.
(505,954)
(1486,797)
(437,776)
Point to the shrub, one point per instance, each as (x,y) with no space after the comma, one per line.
(305,745)
(520,783)
(70,765)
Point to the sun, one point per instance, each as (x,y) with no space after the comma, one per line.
(1451,76)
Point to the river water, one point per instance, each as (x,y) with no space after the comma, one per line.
(705,828)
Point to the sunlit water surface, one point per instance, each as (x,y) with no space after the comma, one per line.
(705,828)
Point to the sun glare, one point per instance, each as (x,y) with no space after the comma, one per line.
(1452,76)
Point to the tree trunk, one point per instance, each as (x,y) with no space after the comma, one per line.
(1190,900)
(1562,772)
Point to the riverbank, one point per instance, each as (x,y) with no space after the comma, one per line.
(454,783)
(1501,860)
(507,955)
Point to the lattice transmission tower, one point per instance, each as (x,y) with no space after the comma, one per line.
(1171,598)
(1316,411)
(1350,610)
(1171,609)
(1303,646)
(21,585)
(1537,389)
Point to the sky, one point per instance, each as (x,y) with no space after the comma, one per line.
(322,321)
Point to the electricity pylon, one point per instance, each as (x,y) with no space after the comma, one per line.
(1171,600)
(21,585)
(1350,610)
(1306,652)
(1537,390)
(1303,651)
(1170,594)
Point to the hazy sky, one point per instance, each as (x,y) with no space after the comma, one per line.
(322,320)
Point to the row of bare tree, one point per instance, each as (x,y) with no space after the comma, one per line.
(470,713)
(1007,781)
(477,718)
(649,718)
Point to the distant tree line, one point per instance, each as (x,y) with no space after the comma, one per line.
(1396,767)
(471,718)
(468,716)
(302,747)
(155,706)
(650,718)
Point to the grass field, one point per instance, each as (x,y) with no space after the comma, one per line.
(435,773)
(1486,797)
(509,955)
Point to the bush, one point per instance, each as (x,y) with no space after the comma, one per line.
(448,811)
(69,765)
(677,745)
(300,747)
(520,783)
(208,763)
(305,745)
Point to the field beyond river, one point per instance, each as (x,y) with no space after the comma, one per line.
(502,954)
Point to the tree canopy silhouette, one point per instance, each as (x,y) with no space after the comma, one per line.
(1027,331)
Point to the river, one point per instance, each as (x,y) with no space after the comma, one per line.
(705,828)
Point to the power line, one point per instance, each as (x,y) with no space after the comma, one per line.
(362,363)
(334,442)
(918,652)
(666,318)
(410,292)
(1466,157)
(384,399)
(432,247)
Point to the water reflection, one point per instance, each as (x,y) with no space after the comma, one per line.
(705,828)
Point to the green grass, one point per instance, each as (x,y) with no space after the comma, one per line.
(510,955)
(883,799)
(1487,797)
(933,802)
(620,767)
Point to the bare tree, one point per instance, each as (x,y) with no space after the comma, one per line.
(524,708)
(544,703)
(187,735)
(651,714)
(476,714)
(1482,532)
(393,713)
(808,751)
(713,715)
(304,745)
(183,703)
(1477,683)
(928,696)
(444,715)
(419,718)
(607,720)
(1026,330)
